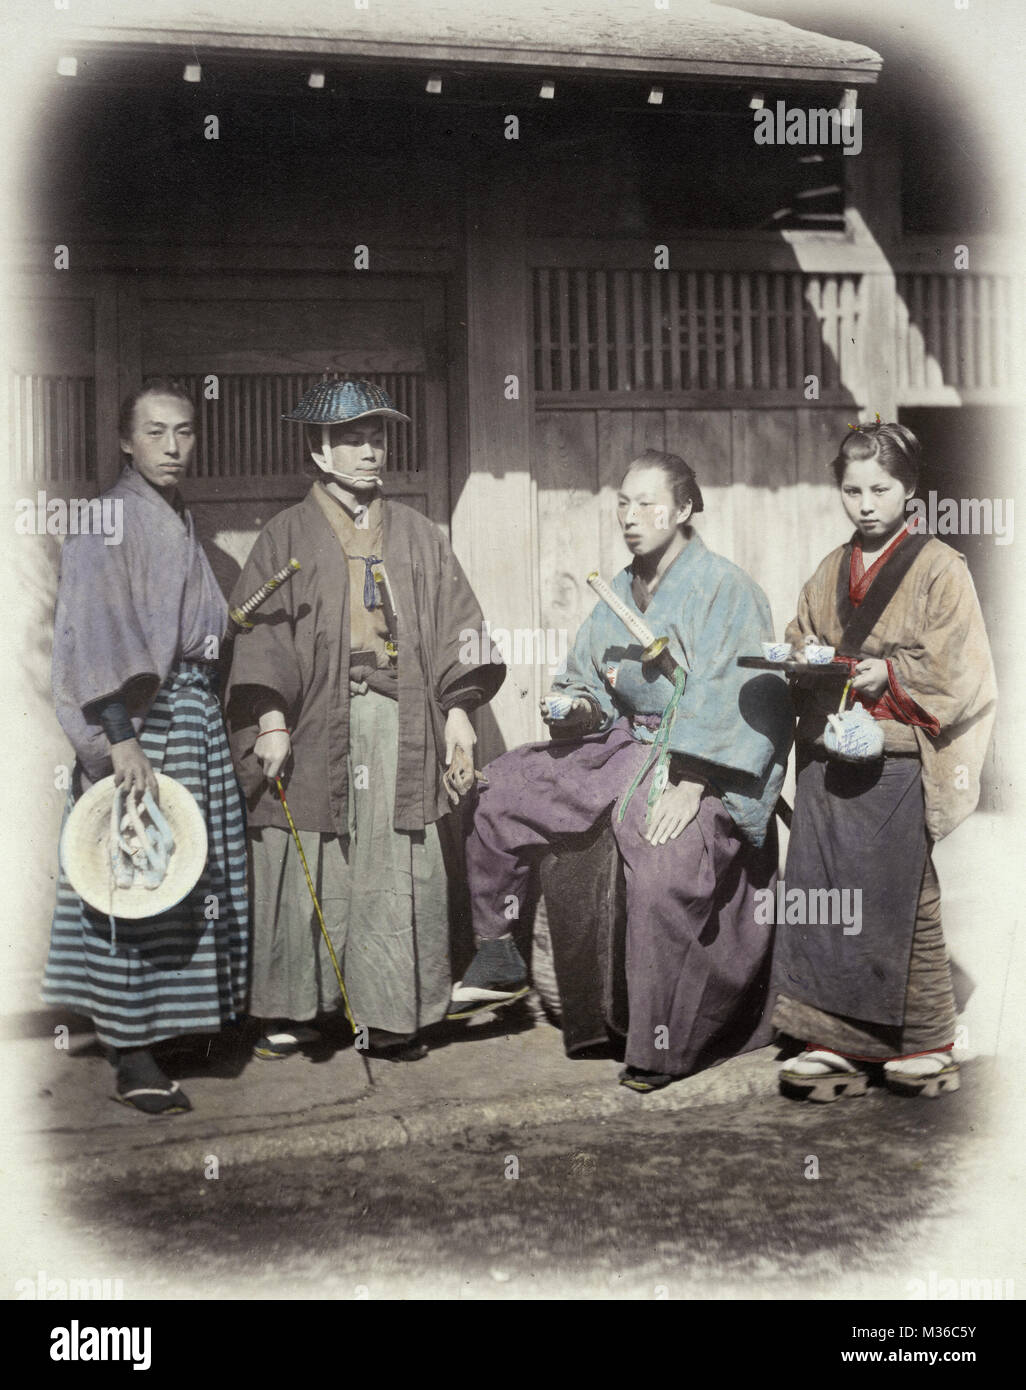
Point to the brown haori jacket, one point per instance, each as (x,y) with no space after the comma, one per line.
(299,649)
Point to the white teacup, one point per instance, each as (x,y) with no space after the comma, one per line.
(816,655)
(777,651)
(559,706)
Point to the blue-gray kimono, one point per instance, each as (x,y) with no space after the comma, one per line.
(140,621)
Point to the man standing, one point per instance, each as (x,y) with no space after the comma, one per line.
(351,689)
(136,637)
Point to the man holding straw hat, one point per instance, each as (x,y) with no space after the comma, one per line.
(149,936)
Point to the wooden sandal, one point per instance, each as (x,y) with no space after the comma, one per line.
(285,1041)
(821,1076)
(942,1076)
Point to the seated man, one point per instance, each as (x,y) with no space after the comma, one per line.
(694,826)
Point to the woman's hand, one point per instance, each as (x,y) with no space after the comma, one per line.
(798,652)
(871,677)
(674,811)
(273,744)
(132,768)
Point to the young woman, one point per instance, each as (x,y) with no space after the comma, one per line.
(901,611)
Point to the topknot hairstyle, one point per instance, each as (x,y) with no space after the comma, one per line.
(152,386)
(681,477)
(893,446)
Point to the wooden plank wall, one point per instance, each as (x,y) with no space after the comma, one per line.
(770,502)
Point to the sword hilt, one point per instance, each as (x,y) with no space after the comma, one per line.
(240,615)
(653,649)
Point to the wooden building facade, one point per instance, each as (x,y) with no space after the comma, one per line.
(549,232)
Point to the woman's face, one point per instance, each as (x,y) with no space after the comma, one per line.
(646,511)
(874,499)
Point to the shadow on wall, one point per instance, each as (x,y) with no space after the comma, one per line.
(969,470)
(37,762)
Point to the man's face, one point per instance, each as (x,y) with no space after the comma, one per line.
(358,450)
(162,439)
(646,511)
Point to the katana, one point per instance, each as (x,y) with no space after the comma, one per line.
(657,651)
(387,598)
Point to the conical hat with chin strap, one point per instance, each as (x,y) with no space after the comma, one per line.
(170,849)
(338,402)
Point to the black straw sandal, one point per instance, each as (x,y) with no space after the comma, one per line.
(153,1100)
(637,1079)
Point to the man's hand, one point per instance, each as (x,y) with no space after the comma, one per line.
(674,811)
(357,687)
(273,744)
(459,733)
(459,754)
(871,677)
(571,725)
(132,768)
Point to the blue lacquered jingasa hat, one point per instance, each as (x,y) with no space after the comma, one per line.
(337,402)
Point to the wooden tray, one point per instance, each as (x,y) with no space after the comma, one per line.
(827,670)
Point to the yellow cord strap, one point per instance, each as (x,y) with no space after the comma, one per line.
(317,906)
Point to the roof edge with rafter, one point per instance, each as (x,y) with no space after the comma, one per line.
(690,38)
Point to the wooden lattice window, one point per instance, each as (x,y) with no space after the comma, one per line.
(634,330)
(960,330)
(241,433)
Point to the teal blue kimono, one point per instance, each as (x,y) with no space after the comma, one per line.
(733,726)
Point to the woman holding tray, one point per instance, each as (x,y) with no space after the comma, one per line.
(900,607)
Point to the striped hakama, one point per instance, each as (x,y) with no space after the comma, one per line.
(184,971)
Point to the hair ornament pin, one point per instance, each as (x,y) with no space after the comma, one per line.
(862,427)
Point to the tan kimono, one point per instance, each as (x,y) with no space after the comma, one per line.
(933,635)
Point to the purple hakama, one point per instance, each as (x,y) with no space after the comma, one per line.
(697,959)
